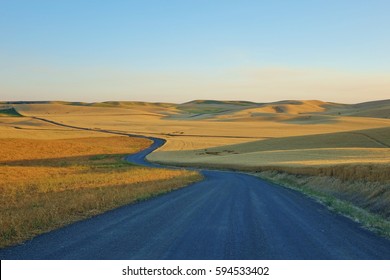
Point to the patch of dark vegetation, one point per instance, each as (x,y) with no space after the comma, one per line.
(9,112)
(27,102)
(278,109)
(218,153)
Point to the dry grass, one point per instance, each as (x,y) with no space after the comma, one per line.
(378,173)
(45,184)
(365,201)
(30,149)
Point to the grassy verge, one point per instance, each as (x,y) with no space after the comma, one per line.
(46,184)
(359,200)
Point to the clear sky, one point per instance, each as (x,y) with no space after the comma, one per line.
(180,50)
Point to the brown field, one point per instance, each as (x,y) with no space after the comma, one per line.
(45,184)
(348,143)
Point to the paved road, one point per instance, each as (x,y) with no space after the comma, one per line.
(229,215)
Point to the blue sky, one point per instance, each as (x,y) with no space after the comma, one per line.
(177,51)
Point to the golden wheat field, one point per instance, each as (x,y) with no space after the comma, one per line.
(45,184)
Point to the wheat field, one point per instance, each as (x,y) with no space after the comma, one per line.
(46,184)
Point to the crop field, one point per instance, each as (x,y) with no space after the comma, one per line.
(310,141)
(46,184)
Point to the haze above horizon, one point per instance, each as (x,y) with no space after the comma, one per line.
(176,51)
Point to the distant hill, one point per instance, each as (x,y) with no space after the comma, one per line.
(220,102)
(232,109)
(373,109)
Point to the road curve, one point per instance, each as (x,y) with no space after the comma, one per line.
(229,215)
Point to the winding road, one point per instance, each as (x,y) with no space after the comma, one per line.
(229,215)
